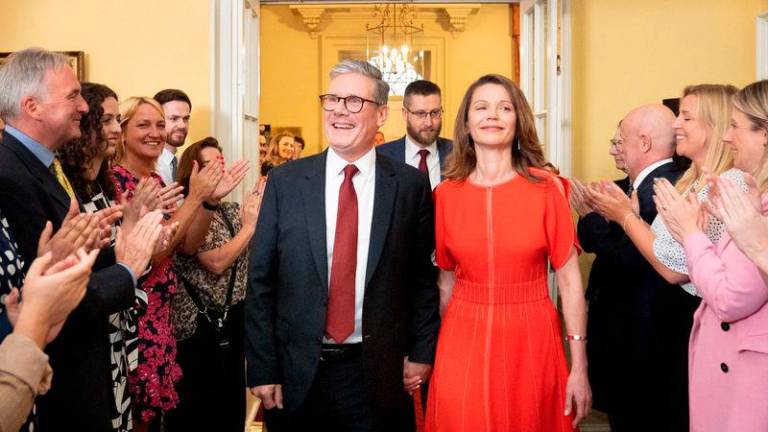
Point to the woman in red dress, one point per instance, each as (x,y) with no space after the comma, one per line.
(500,218)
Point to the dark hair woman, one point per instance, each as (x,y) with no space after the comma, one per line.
(208,310)
(500,218)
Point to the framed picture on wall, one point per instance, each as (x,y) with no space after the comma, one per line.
(76,60)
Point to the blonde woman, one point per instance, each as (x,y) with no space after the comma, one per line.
(152,383)
(281,150)
(728,360)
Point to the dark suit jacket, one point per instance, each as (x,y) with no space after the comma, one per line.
(396,150)
(640,322)
(81,392)
(287,298)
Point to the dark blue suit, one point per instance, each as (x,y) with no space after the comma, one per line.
(287,296)
(81,396)
(396,150)
(638,326)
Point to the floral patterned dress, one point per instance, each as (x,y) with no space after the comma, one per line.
(153,383)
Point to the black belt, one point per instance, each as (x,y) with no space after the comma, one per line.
(335,353)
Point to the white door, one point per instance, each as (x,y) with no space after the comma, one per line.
(545,78)
(235,110)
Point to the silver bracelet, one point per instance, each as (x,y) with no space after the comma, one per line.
(575,338)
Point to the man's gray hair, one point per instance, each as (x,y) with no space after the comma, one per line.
(22,75)
(381,92)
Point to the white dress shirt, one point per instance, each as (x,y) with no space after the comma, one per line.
(164,166)
(364,183)
(413,158)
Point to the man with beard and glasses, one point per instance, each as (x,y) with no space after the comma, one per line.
(177,107)
(421,147)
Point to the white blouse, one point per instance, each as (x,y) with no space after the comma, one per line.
(671,253)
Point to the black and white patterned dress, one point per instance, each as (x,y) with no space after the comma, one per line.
(123,335)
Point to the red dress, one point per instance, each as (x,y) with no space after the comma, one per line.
(500,363)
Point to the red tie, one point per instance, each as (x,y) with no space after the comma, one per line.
(340,322)
(423,162)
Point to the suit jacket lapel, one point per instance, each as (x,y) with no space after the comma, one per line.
(313,192)
(39,171)
(383,203)
(400,150)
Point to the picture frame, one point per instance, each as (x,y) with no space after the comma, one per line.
(76,60)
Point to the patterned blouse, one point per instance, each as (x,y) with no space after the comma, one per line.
(211,288)
(123,332)
(671,253)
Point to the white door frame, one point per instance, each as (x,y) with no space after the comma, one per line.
(235,82)
(761,44)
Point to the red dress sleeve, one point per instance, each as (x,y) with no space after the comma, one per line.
(442,255)
(560,232)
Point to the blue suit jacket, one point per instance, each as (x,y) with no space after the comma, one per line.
(396,150)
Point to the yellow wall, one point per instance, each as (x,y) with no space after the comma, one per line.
(136,47)
(293,75)
(627,53)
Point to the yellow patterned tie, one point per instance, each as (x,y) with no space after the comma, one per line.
(63,181)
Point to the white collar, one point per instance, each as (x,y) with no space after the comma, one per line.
(165,157)
(647,170)
(335,164)
(412,149)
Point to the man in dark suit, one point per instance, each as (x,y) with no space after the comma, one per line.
(342,288)
(643,322)
(421,147)
(42,106)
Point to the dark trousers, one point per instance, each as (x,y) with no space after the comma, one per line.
(338,401)
(212,391)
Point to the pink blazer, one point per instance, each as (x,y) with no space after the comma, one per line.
(728,349)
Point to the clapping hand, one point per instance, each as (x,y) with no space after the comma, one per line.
(682,215)
(231,178)
(51,291)
(203,182)
(134,249)
(610,201)
(77,230)
(249,212)
(578,199)
(741,212)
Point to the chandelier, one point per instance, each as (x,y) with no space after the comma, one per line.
(392,37)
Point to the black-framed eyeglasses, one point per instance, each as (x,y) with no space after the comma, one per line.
(422,115)
(353,104)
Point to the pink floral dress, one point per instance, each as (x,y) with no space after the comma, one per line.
(152,383)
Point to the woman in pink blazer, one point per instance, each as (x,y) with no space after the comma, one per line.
(728,348)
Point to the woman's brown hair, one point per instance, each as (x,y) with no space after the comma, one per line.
(526,149)
(193,154)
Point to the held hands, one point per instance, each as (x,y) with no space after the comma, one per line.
(682,216)
(271,395)
(414,375)
(578,393)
